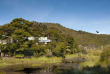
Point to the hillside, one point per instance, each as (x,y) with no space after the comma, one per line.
(83,38)
(23,38)
(41,29)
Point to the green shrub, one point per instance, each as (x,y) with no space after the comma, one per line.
(105,55)
(19,55)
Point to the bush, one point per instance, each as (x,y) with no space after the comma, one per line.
(59,50)
(19,55)
(105,55)
(48,53)
(41,53)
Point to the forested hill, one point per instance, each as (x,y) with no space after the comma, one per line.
(83,38)
(47,29)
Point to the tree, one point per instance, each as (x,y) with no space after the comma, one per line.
(13,48)
(55,35)
(19,35)
(70,42)
(59,50)
(5,49)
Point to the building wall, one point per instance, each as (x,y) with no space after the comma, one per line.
(43,38)
(3,41)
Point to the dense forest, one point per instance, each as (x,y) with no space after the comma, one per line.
(19,30)
(64,40)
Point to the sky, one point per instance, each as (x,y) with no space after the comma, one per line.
(86,15)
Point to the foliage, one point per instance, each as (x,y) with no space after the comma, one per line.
(31,61)
(19,55)
(105,55)
(19,29)
(59,50)
(83,38)
(92,58)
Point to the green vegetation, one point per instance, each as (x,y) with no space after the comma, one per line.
(105,56)
(65,43)
(19,30)
(30,61)
(88,40)
(92,57)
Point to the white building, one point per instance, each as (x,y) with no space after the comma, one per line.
(31,38)
(3,41)
(41,39)
(44,39)
(8,41)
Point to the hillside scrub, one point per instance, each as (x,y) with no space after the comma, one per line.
(19,30)
(92,58)
(64,41)
(105,56)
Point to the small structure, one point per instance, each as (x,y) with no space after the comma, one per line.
(8,41)
(31,38)
(41,39)
(44,39)
(3,41)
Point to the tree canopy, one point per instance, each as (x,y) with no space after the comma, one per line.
(19,29)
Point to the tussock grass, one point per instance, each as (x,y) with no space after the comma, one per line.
(92,58)
(34,61)
(71,55)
